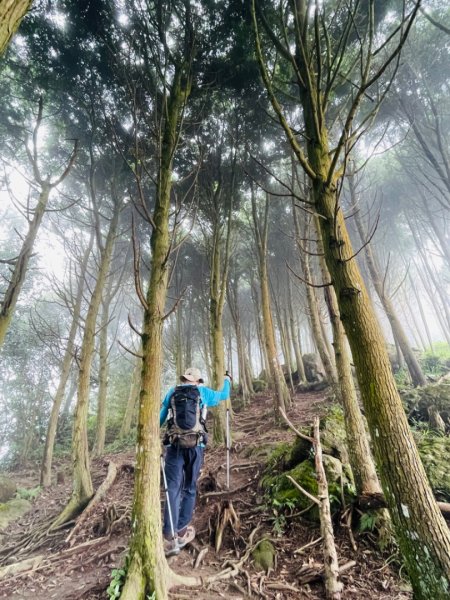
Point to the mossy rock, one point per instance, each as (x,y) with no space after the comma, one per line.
(282,491)
(333,435)
(279,457)
(12,510)
(434,451)
(418,400)
(300,450)
(264,556)
(263,452)
(7,488)
(259,385)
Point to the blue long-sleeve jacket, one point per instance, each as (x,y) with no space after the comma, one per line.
(209,397)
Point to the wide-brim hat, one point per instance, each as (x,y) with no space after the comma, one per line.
(192,375)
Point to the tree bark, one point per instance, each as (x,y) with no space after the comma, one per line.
(46,466)
(360,455)
(313,307)
(82,490)
(100,429)
(295,338)
(148,571)
(277,381)
(132,400)
(11,14)
(21,264)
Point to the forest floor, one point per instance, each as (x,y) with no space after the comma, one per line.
(81,568)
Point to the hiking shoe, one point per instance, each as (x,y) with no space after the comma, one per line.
(185,536)
(171,547)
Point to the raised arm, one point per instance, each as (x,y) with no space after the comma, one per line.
(212,397)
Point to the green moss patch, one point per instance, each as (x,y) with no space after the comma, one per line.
(264,556)
(12,510)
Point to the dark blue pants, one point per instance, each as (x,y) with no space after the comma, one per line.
(182,468)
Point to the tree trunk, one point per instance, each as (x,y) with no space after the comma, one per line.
(100,429)
(11,14)
(47,458)
(421,531)
(216,304)
(132,400)
(82,483)
(260,333)
(21,264)
(179,367)
(287,372)
(148,571)
(295,338)
(360,455)
(233,304)
(417,376)
(422,315)
(275,374)
(313,307)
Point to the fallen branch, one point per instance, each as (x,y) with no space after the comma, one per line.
(286,587)
(309,576)
(309,545)
(16,571)
(200,557)
(30,565)
(294,429)
(333,586)
(100,493)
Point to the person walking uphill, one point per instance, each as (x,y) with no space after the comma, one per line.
(184,407)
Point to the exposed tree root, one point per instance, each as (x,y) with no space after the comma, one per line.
(100,493)
(53,528)
(30,564)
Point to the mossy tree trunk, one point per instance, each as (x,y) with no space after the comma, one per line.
(46,466)
(148,571)
(360,455)
(82,489)
(295,338)
(103,374)
(313,306)
(275,374)
(11,14)
(421,531)
(133,396)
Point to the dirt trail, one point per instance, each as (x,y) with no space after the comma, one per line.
(84,572)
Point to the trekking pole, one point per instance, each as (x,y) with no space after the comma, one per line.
(228,448)
(166,491)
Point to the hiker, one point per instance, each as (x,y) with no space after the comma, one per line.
(184,407)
